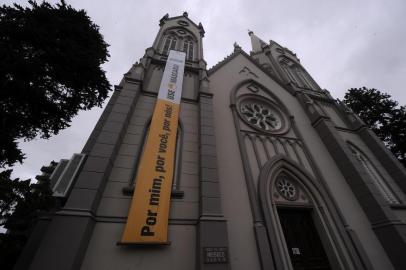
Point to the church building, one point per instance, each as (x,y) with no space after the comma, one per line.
(250,165)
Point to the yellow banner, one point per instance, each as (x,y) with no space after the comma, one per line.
(147,221)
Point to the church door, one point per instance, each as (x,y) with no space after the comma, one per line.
(302,239)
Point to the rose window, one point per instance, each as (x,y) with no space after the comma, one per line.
(287,189)
(261,116)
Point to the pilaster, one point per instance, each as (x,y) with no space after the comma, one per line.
(212,227)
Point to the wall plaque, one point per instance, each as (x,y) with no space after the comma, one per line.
(215,255)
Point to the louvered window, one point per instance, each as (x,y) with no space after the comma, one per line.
(169,44)
(68,175)
(289,73)
(58,172)
(188,49)
(303,77)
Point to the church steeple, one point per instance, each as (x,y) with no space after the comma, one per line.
(282,63)
(256,42)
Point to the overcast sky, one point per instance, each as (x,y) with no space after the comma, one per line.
(342,44)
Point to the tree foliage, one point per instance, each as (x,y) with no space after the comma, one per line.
(21,202)
(50,68)
(383,115)
(12,192)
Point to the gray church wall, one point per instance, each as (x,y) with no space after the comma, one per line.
(343,196)
(116,204)
(400,213)
(223,195)
(190,85)
(366,185)
(72,225)
(331,111)
(357,141)
(104,254)
(235,201)
(153,78)
(222,82)
(187,208)
(261,148)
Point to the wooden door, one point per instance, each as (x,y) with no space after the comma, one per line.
(302,239)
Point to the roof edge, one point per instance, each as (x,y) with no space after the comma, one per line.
(227,59)
(198,26)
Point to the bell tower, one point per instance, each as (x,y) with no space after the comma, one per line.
(83,233)
(180,34)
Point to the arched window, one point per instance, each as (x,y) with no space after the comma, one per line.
(374,175)
(303,78)
(297,75)
(289,73)
(188,49)
(169,44)
(287,66)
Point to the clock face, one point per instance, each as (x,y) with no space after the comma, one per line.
(260,115)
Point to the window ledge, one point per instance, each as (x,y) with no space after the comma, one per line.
(398,206)
(175,194)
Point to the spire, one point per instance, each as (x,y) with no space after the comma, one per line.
(237,47)
(256,42)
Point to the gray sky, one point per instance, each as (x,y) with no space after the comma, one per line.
(342,44)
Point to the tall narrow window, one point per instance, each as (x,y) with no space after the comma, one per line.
(169,44)
(289,73)
(302,79)
(297,75)
(376,178)
(188,49)
(173,43)
(306,79)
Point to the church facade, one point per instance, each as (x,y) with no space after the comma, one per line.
(271,172)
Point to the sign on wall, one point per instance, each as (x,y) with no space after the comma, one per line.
(215,254)
(147,221)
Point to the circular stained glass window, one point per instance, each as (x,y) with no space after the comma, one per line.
(261,115)
(287,189)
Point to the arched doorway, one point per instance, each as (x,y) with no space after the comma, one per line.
(303,231)
(301,237)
